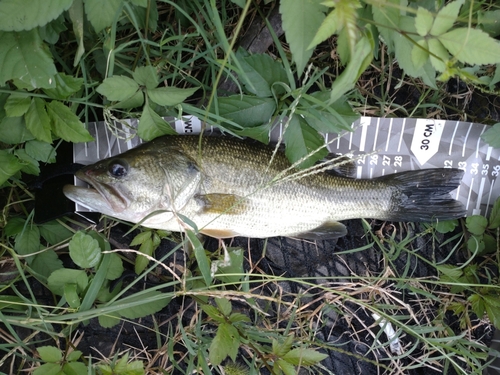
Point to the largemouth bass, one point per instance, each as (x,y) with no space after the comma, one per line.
(225,187)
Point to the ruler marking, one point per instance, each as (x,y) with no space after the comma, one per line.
(488,153)
(388,135)
(453,137)
(489,198)
(376,135)
(401,134)
(466,138)
(470,193)
(479,141)
(362,142)
(359,171)
(480,193)
(108,141)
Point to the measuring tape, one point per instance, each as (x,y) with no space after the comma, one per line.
(380,146)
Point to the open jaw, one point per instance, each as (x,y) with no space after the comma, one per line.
(100,198)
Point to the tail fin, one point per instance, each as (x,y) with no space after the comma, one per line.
(423,195)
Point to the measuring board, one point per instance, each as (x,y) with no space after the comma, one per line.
(380,146)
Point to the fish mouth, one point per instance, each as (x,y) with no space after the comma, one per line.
(97,197)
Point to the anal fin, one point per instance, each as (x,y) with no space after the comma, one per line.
(326,231)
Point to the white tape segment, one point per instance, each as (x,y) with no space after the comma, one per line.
(380,145)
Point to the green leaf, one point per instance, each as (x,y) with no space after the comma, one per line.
(228,273)
(303,357)
(77,368)
(260,133)
(446,17)
(49,353)
(450,271)
(30,165)
(141,238)
(420,53)
(438,54)
(101,14)
(77,19)
(24,56)
(247,111)
(446,226)
(71,295)
(495,215)
(9,166)
(201,257)
(141,306)
(38,121)
(46,262)
(170,96)
(48,369)
(476,224)
(13,131)
(387,17)
(423,21)
(65,86)
(287,368)
(53,232)
(84,250)
(327,28)
(41,151)
(477,304)
(151,125)
(489,21)
(146,76)
(471,46)
(492,135)
(301,20)
(17,104)
(19,15)
(51,31)
(360,59)
(142,262)
(475,244)
(66,125)
(225,343)
(14,226)
(260,72)
(115,268)
(118,88)
(224,306)
(73,356)
(300,140)
(28,241)
(60,277)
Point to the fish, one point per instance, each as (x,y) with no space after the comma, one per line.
(225,187)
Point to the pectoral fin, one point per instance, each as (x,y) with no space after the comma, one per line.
(219,233)
(326,231)
(229,204)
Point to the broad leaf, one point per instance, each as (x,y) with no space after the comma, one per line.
(225,343)
(24,56)
(301,20)
(301,140)
(260,72)
(84,250)
(146,76)
(28,241)
(489,21)
(471,46)
(13,131)
(17,104)
(100,13)
(446,17)
(66,125)
(420,53)
(247,111)
(170,96)
(30,165)
(60,277)
(386,16)
(65,86)
(118,88)
(46,262)
(476,224)
(328,27)
(19,15)
(115,268)
(53,232)
(494,219)
(423,21)
(38,121)
(151,125)
(71,295)
(9,165)
(41,151)
(201,257)
(492,136)
(304,357)
(49,353)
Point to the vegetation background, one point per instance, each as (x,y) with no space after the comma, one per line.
(239,65)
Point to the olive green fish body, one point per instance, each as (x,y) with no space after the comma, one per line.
(228,187)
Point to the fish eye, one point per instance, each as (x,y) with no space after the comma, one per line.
(118,169)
